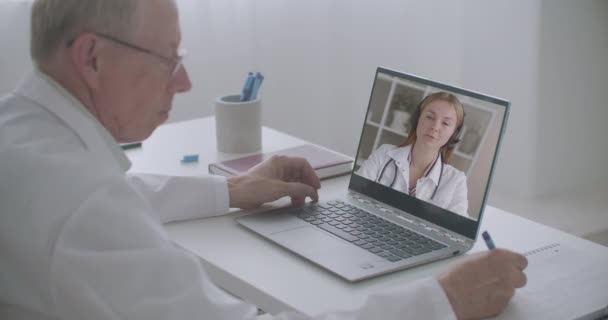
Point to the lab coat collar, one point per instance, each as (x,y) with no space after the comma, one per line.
(401,154)
(50,95)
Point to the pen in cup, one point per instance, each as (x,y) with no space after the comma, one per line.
(251,86)
(488,240)
(257,82)
(247,87)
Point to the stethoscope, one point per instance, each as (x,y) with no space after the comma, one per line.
(397,169)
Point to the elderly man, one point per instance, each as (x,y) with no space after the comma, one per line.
(81,239)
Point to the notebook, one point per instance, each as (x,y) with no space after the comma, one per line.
(563,283)
(378,225)
(326,163)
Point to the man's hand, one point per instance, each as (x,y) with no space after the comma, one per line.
(483,285)
(273,179)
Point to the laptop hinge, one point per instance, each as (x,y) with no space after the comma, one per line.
(435,229)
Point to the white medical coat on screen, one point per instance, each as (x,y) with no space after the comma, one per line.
(452,191)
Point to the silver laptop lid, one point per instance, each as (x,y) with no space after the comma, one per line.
(457,130)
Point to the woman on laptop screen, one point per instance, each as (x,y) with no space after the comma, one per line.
(419,166)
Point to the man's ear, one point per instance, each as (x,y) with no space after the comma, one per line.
(84,55)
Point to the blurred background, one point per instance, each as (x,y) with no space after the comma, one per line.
(548,57)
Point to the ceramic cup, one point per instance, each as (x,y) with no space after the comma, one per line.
(238,124)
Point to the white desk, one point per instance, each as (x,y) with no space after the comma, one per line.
(274,279)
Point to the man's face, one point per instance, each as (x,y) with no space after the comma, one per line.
(136,88)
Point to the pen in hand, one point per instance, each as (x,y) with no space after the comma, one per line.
(488,240)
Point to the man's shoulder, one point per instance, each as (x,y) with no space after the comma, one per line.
(14,108)
(11,102)
(24,123)
(29,165)
(31,175)
(50,182)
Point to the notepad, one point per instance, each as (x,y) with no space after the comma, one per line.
(563,283)
(326,163)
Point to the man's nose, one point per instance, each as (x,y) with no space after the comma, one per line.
(181,82)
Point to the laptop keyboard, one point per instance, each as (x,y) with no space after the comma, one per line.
(372,233)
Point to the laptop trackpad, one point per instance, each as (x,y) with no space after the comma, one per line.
(310,241)
(335,254)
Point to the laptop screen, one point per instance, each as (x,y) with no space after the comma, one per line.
(429,149)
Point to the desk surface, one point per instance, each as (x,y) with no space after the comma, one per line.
(275,279)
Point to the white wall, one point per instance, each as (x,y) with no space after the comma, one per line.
(14,37)
(216,34)
(573,144)
(500,57)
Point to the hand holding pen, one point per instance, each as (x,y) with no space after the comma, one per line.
(483,284)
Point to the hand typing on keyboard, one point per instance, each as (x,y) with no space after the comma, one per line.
(273,179)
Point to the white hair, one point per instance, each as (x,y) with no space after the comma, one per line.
(56,22)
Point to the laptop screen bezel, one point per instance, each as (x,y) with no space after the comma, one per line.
(419,208)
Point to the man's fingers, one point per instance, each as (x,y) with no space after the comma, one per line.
(519,260)
(298,201)
(513,263)
(306,173)
(518,278)
(300,190)
(513,258)
(523,262)
(521,281)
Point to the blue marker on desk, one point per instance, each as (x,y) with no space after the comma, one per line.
(247,87)
(488,240)
(189,158)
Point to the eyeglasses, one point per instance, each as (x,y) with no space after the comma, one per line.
(173,62)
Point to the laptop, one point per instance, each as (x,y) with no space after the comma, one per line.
(377,226)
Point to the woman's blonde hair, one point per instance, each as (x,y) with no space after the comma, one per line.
(55,22)
(447,149)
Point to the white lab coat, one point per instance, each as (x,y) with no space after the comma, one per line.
(79,239)
(452,191)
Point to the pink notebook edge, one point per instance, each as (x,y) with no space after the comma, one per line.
(239,165)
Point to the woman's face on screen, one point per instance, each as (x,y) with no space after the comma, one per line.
(436,124)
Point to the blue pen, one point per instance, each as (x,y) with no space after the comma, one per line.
(488,240)
(256,85)
(247,87)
